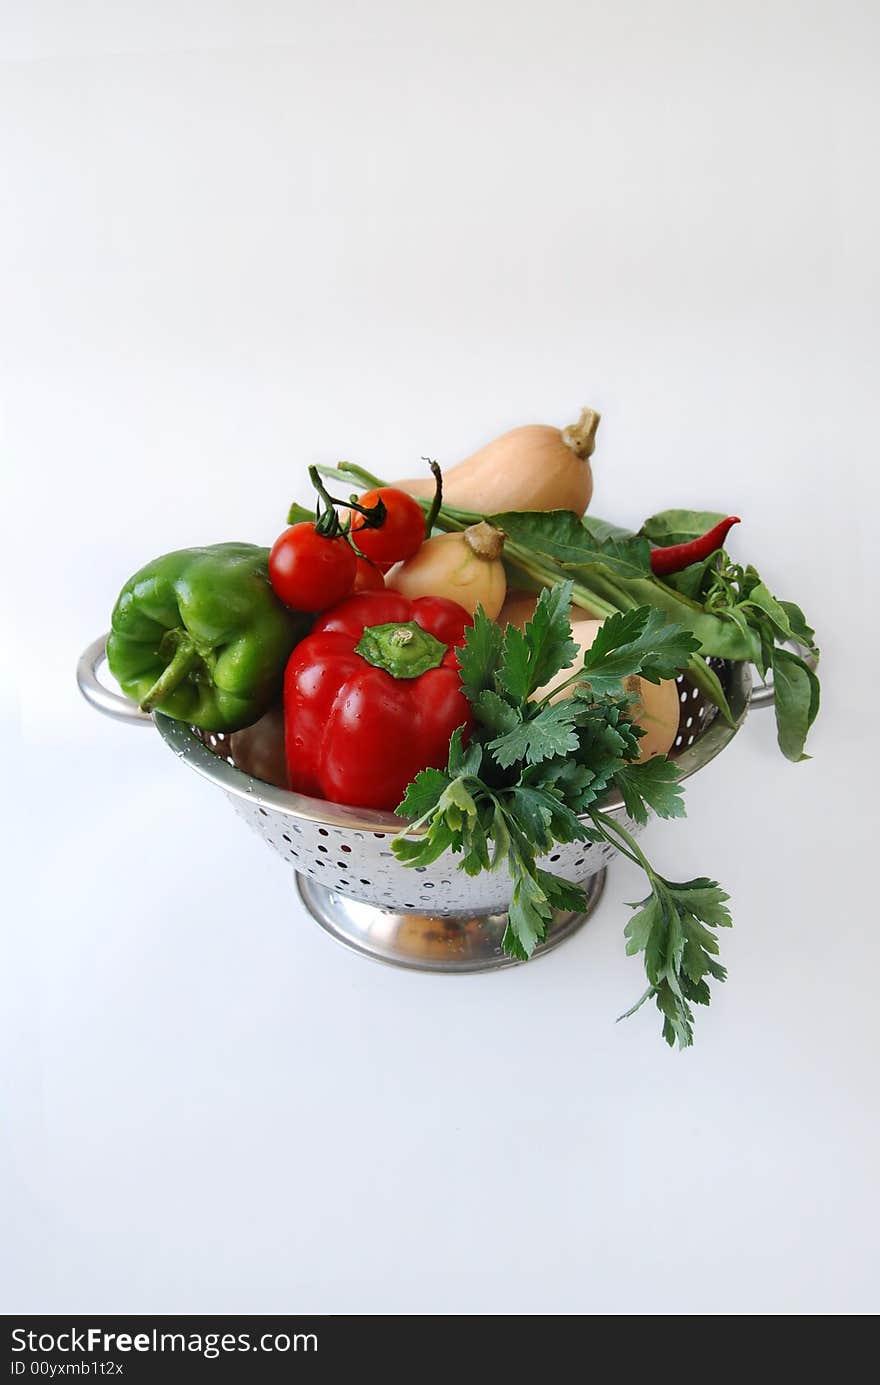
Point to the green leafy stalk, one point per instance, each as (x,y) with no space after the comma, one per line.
(536,771)
(672,927)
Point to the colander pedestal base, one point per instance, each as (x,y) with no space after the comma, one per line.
(426,942)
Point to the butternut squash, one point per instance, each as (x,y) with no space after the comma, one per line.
(657,709)
(657,712)
(535,467)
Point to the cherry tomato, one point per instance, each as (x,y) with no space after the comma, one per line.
(401,533)
(368,577)
(309,571)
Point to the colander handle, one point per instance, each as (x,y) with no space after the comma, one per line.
(763,696)
(111,704)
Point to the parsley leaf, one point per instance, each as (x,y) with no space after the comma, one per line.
(673,928)
(494,713)
(654,785)
(478,656)
(464,759)
(423,794)
(530,657)
(547,817)
(551,732)
(529,913)
(561,893)
(577,785)
(639,641)
(425,849)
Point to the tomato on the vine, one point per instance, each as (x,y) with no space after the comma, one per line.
(400,533)
(311,571)
(368,577)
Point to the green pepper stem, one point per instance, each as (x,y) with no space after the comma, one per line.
(185,658)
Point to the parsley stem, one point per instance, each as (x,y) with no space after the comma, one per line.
(646,995)
(578,675)
(608,824)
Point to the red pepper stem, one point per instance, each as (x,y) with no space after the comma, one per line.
(401,648)
(678,556)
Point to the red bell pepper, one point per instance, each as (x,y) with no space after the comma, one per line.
(372,696)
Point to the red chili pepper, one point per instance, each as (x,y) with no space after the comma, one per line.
(372,696)
(680,555)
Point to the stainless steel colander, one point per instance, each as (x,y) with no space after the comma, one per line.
(433,918)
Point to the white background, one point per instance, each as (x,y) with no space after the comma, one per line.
(236,238)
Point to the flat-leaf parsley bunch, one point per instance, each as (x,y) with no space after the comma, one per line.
(534,775)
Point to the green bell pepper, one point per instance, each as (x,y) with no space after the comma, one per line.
(200,635)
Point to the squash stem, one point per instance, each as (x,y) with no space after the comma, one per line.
(581,436)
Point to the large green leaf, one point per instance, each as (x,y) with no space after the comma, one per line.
(796,698)
(562,536)
(679,526)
